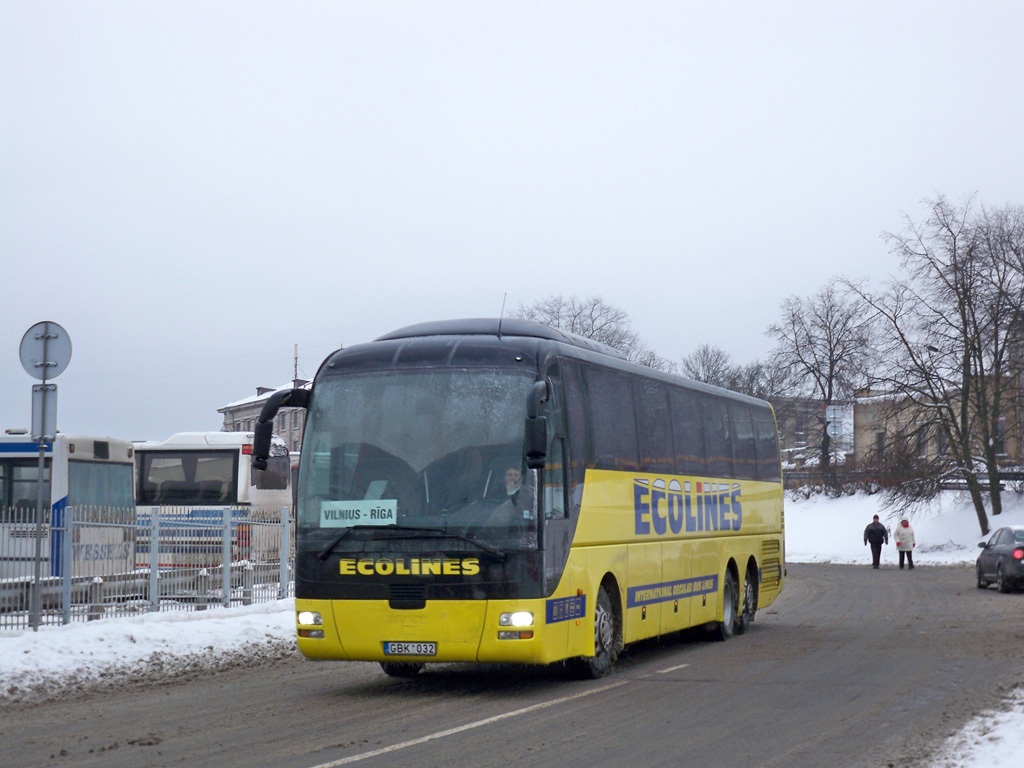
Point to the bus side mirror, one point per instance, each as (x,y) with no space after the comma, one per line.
(264,431)
(536,442)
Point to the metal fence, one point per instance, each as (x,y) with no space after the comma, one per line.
(96,563)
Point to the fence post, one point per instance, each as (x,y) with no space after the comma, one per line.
(67,557)
(96,599)
(285,550)
(248,579)
(154,559)
(203,588)
(225,552)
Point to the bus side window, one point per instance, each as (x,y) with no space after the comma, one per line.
(612,420)
(25,485)
(554,481)
(766,442)
(576,418)
(744,457)
(688,432)
(716,436)
(5,492)
(655,433)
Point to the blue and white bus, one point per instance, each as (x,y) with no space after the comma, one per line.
(91,474)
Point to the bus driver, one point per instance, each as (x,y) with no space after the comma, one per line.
(517,511)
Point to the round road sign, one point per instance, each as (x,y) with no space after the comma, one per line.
(45,351)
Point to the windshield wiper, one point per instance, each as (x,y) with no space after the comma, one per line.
(410,532)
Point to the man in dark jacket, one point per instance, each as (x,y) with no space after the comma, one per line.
(875,534)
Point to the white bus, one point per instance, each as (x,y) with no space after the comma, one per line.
(91,474)
(192,478)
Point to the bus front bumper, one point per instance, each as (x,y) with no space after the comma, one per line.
(443,631)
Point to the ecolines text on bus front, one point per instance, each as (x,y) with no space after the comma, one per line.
(409,566)
(691,506)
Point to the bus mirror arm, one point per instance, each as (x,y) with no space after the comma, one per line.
(538,394)
(264,431)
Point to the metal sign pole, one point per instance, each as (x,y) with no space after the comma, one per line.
(41,503)
(45,353)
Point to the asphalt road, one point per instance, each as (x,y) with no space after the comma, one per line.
(851,667)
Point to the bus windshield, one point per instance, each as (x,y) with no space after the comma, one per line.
(441,450)
(188,477)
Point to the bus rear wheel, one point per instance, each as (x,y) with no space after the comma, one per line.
(606,642)
(749,605)
(726,628)
(401,668)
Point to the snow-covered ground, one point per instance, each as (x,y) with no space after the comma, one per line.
(167,645)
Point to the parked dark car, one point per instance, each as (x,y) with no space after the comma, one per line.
(1002,559)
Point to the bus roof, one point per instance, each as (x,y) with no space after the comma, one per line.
(198,440)
(524,329)
(492,326)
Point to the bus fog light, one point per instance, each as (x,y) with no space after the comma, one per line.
(509,634)
(516,619)
(313,633)
(310,618)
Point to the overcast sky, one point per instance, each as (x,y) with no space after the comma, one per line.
(193,188)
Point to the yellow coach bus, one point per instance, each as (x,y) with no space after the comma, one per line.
(498,491)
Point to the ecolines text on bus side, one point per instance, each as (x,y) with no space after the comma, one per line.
(693,506)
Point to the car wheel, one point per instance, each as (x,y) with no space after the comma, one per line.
(1001,583)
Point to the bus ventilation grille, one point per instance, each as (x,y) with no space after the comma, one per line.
(408,596)
(770,547)
(771,574)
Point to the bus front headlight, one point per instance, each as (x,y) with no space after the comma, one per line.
(309,618)
(516,619)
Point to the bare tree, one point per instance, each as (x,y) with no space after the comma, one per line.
(823,342)
(596,319)
(710,365)
(951,337)
(997,364)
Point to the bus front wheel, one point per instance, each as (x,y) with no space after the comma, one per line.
(606,642)
(401,668)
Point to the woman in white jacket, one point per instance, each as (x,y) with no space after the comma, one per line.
(904,536)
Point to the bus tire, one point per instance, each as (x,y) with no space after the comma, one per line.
(401,668)
(606,642)
(748,606)
(726,628)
